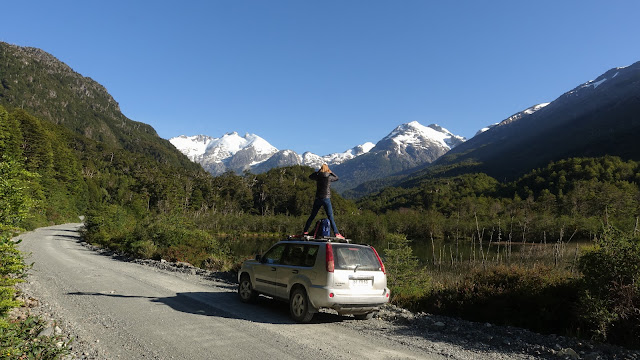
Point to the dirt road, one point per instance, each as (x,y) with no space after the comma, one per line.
(131,311)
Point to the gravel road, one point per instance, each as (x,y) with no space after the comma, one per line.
(115,308)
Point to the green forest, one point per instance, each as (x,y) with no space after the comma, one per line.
(146,204)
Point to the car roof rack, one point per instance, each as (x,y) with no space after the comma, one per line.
(324,238)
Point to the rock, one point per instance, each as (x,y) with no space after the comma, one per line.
(47,332)
(31,302)
(17,314)
(592,356)
(569,352)
(439,324)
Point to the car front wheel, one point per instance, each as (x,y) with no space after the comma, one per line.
(301,310)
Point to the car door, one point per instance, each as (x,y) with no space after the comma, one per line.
(292,260)
(265,272)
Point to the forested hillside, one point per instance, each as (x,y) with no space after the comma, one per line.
(598,118)
(33,80)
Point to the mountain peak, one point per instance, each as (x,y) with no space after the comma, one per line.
(416,134)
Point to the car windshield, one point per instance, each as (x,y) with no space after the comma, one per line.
(357,258)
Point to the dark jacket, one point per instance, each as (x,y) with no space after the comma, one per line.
(323,183)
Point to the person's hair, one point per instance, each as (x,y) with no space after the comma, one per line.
(325,168)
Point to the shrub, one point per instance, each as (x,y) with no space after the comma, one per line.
(540,298)
(406,278)
(20,340)
(12,271)
(610,299)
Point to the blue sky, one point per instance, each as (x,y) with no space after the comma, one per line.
(324,76)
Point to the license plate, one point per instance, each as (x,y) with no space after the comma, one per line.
(360,283)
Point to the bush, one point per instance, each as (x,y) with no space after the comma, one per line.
(20,340)
(406,279)
(12,271)
(541,299)
(610,299)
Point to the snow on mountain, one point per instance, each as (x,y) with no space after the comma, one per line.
(229,144)
(415,142)
(416,135)
(251,152)
(192,146)
(599,81)
(515,117)
(218,149)
(315,161)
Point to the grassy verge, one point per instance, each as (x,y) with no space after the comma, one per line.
(19,339)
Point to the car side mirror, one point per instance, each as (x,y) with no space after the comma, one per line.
(258,257)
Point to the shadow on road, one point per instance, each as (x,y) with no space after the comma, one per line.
(225,305)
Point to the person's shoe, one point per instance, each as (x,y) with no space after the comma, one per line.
(339,236)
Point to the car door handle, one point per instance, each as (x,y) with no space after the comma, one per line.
(273,269)
(295,271)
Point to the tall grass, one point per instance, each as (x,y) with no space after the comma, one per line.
(554,285)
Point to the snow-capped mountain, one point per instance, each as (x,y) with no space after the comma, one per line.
(412,144)
(514,117)
(315,161)
(231,151)
(251,152)
(425,143)
(596,118)
(408,146)
(414,134)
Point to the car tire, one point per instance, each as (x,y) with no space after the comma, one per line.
(245,290)
(299,306)
(365,316)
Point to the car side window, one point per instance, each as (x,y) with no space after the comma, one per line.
(300,255)
(310,255)
(274,255)
(293,255)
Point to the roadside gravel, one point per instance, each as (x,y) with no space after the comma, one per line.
(439,335)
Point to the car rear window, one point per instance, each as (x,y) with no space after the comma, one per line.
(349,257)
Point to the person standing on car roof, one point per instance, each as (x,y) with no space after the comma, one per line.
(323,177)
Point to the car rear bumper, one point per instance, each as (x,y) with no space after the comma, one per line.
(348,303)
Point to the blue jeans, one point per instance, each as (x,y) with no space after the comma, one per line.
(317,204)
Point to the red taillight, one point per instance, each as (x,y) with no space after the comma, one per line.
(330,263)
(379,260)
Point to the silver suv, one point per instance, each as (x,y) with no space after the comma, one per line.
(311,274)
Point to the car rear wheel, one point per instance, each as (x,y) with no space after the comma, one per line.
(245,290)
(301,310)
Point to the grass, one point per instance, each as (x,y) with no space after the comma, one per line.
(20,340)
(559,286)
